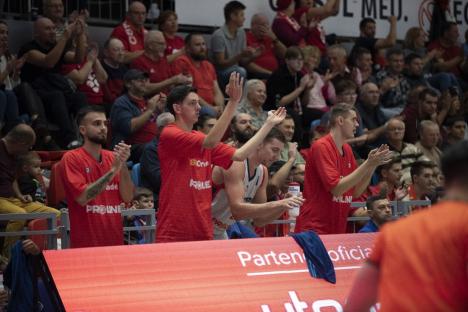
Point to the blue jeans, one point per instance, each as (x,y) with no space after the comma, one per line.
(8,109)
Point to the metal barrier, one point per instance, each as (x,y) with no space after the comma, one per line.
(51,232)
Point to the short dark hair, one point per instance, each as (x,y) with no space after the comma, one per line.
(357,53)
(189,37)
(395,160)
(450,121)
(275,134)
(86,110)
(411,57)
(293,52)
(418,167)
(232,7)
(454,163)
(177,95)
(367,20)
(142,192)
(340,109)
(372,199)
(427,91)
(202,119)
(393,51)
(344,84)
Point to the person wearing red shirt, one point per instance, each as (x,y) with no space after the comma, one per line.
(88,76)
(115,69)
(262,37)
(332,179)
(153,62)
(452,52)
(420,262)
(167,22)
(187,157)
(194,63)
(132,31)
(133,117)
(97,184)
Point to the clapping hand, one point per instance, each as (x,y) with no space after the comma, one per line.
(380,156)
(121,155)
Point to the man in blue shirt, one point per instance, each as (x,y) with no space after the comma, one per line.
(380,212)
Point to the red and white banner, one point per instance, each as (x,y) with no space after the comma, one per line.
(268,275)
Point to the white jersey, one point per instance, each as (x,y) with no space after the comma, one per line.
(220,210)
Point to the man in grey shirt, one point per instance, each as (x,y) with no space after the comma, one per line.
(229,46)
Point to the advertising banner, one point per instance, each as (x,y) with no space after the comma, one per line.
(267,275)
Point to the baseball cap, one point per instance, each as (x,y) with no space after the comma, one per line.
(134,74)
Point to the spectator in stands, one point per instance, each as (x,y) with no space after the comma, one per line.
(367,29)
(316,105)
(132,31)
(44,57)
(205,123)
(19,97)
(410,279)
(393,85)
(167,23)
(115,69)
(368,106)
(186,157)
(413,72)
(456,128)
(287,127)
(153,62)
(423,183)
(339,70)
(379,211)
(133,117)
(286,28)
(54,10)
(229,45)
(241,129)
(298,174)
(252,103)
(29,178)
(363,61)
(332,177)
(97,184)
(390,180)
(89,76)
(407,152)
(17,142)
(150,168)
(194,63)
(286,87)
(425,109)
(272,49)
(415,43)
(452,53)
(429,139)
(310,16)
(241,189)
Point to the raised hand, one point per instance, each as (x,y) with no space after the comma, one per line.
(277,116)
(121,155)
(235,87)
(292,151)
(154,103)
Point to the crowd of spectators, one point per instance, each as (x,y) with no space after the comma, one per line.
(409,96)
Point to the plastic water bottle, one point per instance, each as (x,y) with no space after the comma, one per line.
(294,189)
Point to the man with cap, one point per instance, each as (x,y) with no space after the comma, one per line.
(132,116)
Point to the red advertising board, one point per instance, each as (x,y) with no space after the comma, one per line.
(267,275)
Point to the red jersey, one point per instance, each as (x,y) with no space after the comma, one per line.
(132,38)
(422,260)
(323,212)
(148,131)
(448,54)
(91,87)
(203,76)
(99,222)
(267,59)
(186,192)
(158,70)
(173,44)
